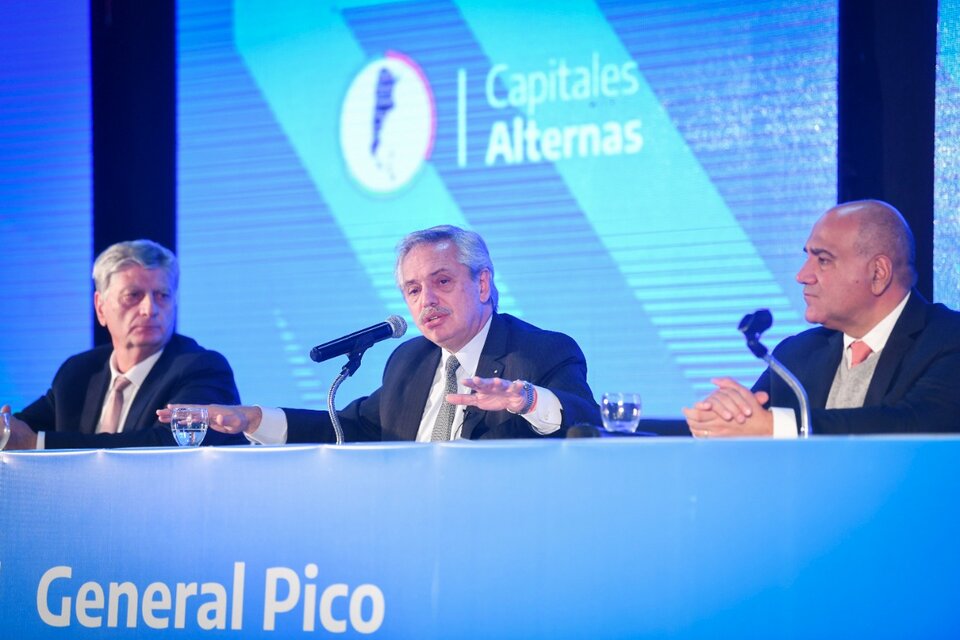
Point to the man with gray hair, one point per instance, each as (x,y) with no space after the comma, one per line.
(108,396)
(884,360)
(474,374)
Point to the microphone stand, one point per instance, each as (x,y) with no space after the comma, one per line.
(350,368)
(752,326)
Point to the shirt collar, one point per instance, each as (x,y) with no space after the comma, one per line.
(877,337)
(469,355)
(137,373)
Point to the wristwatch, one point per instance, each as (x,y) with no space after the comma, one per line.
(529,395)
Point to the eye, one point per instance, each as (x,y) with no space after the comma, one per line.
(412,291)
(130,298)
(162,296)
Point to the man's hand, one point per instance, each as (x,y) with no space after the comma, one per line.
(491,394)
(731,410)
(226,419)
(22,437)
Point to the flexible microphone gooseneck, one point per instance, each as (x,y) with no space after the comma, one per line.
(754,324)
(353,345)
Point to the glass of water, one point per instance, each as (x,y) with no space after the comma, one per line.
(189,425)
(620,411)
(4,429)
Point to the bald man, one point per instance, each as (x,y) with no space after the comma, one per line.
(884,360)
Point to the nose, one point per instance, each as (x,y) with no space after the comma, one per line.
(148,306)
(429,296)
(806,274)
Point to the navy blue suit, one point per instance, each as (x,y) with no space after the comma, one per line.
(514,350)
(915,387)
(184,373)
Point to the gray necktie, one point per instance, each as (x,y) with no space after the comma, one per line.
(111,417)
(441,428)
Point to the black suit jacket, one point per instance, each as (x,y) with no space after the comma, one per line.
(514,350)
(915,387)
(184,373)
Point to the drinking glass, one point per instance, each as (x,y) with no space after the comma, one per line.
(4,429)
(189,425)
(620,411)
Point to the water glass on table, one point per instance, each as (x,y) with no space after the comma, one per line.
(620,411)
(189,425)
(4,429)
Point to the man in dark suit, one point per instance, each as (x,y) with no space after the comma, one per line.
(884,361)
(108,396)
(474,374)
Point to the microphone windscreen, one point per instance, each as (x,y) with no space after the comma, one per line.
(398,324)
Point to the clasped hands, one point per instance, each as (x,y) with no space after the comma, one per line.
(489,394)
(731,410)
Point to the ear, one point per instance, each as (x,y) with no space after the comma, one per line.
(98,302)
(483,280)
(881,275)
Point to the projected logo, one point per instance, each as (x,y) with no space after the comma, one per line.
(387,123)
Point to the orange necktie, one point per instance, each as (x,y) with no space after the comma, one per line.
(859,351)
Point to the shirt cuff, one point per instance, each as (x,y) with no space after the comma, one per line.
(272,429)
(784,423)
(547,415)
(41,440)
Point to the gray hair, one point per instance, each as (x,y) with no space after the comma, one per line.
(471,251)
(144,253)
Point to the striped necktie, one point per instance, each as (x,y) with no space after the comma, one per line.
(441,428)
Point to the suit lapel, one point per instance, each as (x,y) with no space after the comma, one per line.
(823,362)
(93,403)
(141,412)
(414,391)
(490,365)
(901,339)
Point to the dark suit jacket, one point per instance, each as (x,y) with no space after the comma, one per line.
(184,373)
(915,388)
(514,350)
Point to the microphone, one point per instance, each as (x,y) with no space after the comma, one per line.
(392,327)
(754,324)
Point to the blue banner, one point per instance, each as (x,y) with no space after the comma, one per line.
(644,173)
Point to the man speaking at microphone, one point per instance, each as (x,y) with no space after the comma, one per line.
(884,361)
(475,373)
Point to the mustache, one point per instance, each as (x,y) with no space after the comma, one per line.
(434,311)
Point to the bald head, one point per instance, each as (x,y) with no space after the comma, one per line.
(882,231)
